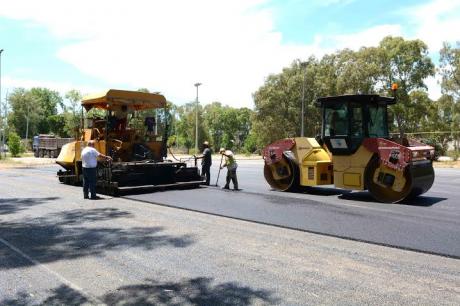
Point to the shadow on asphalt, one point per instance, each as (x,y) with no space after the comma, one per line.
(152,189)
(193,291)
(323,191)
(13,205)
(365,196)
(66,235)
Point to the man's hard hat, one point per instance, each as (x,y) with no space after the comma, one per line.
(206,143)
(222,150)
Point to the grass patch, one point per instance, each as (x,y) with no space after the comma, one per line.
(454,154)
(8,161)
(27,154)
(9,156)
(446,164)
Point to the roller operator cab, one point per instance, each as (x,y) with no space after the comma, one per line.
(354,151)
(132,128)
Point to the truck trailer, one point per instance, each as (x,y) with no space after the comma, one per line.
(48,145)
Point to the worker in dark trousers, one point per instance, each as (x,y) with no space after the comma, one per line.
(89,157)
(231,165)
(206,162)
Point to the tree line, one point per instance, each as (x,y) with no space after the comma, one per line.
(370,70)
(277,111)
(44,111)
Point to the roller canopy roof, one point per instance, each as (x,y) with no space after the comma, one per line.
(114,98)
(364,99)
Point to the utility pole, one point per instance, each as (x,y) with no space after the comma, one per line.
(452,126)
(196,119)
(27,123)
(5,112)
(302,112)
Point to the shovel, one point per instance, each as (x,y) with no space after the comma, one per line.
(220,166)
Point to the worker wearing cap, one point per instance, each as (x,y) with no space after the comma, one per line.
(206,162)
(231,165)
(89,157)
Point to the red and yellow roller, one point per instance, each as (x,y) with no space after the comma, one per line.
(353,152)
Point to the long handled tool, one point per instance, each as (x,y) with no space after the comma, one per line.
(220,166)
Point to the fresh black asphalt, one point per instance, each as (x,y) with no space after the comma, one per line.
(428,224)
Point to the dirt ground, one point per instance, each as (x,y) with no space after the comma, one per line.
(20,162)
(447,164)
(30,161)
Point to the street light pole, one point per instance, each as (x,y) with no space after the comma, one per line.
(5,113)
(302,119)
(196,119)
(27,123)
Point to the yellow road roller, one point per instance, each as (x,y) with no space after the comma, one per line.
(354,151)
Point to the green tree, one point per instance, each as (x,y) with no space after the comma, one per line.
(244,125)
(226,126)
(357,72)
(440,119)
(14,144)
(23,110)
(250,143)
(420,113)
(278,101)
(214,124)
(450,70)
(406,63)
(277,106)
(73,113)
(185,126)
(35,107)
(47,101)
(450,84)
(367,71)
(57,125)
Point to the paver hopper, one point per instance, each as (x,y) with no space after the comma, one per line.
(127,127)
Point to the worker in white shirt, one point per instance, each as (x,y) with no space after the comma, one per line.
(89,156)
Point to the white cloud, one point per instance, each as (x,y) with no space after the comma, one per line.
(9,83)
(434,89)
(435,22)
(167,46)
(333,2)
(370,37)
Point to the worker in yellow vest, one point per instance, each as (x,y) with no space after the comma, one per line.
(231,165)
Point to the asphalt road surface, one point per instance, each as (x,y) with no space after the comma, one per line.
(429,223)
(58,249)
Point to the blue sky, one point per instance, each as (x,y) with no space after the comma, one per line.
(300,20)
(168,46)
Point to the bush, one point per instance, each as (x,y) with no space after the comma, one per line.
(440,149)
(250,144)
(455,154)
(14,144)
